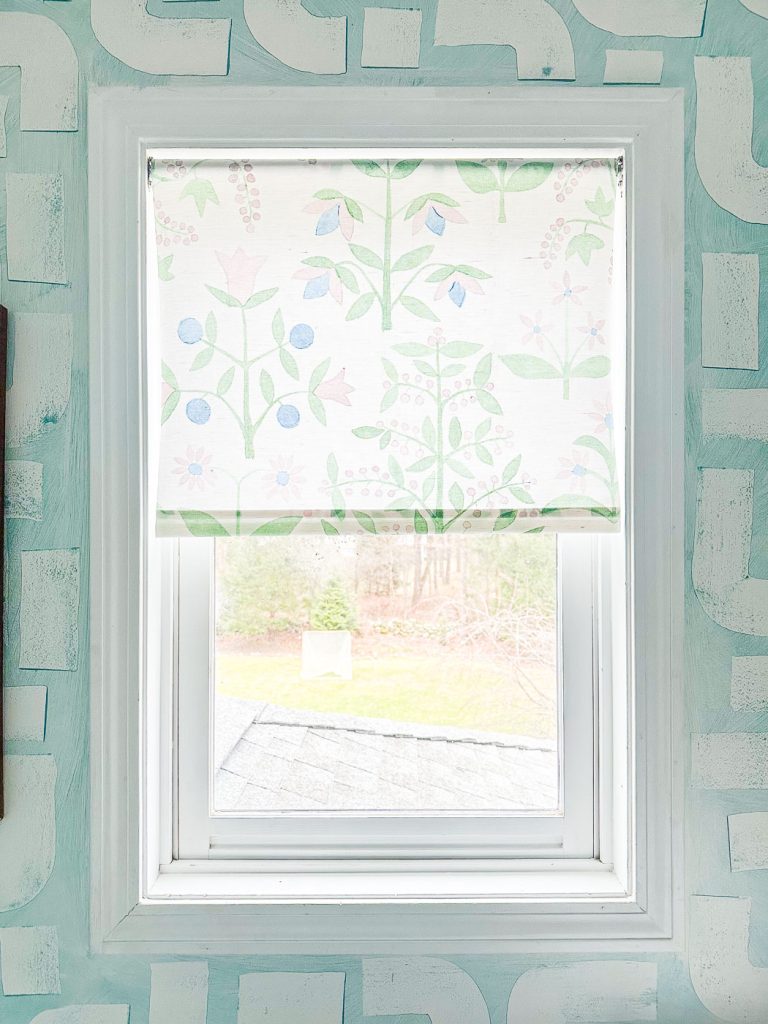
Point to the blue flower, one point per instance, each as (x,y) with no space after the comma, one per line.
(328,221)
(318,286)
(302,335)
(457,293)
(190,331)
(435,221)
(198,411)
(288,416)
(282,478)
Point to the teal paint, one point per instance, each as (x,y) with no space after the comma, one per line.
(730,29)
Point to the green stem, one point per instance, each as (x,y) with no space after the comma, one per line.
(404,289)
(439,443)
(212,394)
(586,223)
(356,266)
(478,499)
(248,430)
(502,206)
(386,285)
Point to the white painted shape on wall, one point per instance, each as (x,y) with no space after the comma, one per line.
(391,38)
(633,67)
(49,70)
(28,833)
(730,302)
(23,490)
(748,841)
(30,961)
(111,1013)
(161,46)
(35,226)
(594,992)
(724,124)
(298,39)
(757,7)
(42,365)
(421,985)
(749,683)
(730,760)
(178,993)
(3,137)
(722,976)
(24,711)
(50,598)
(647,18)
(723,536)
(735,412)
(533,28)
(289,998)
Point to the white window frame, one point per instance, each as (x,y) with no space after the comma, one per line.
(627,899)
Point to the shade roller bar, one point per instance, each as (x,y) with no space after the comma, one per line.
(399,343)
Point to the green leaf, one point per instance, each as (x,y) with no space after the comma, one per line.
(169,376)
(365,521)
(278,327)
(595,366)
(454,432)
(504,519)
(259,297)
(289,363)
(389,399)
(211,328)
(460,468)
(370,167)
(390,370)
(456,496)
(225,297)
(454,369)
(511,469)
(483,429)
(225,382)
(202,358)
(418,308)
(483,371)
(426,368)
(201,524)
(328,193)
(419,523)
(366,256)
(384,440)
(443,199)
(483,454)
(531,367)
(319,261)
(414,258)
(565,501)
(588,441)
(415,205)
(404,168)
(477,176)
(367,432)
(169,406)
(395,471)
(329,529)
(202,191)
(338,513)
(583,246)
(164,268)
(277,527)
(528,176)
(464,268)
(600,205)
(413,348)
(441,274)
(354,209)
(319,373)
(317,408)
(347,278)
(521,494)
(460,349)
(360,306)
(267,386)
(428,486)
(428,431)
(488,402)
(426,463)
(332,468)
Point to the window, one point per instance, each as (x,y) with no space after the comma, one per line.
(402,435)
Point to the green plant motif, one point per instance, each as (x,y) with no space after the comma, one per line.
(580,470)
(439,488)
(332,609)
(586,242)
(502,176)
(374,277)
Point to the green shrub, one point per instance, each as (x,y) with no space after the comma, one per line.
(333,608)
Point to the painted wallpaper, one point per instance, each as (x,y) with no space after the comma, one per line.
(717,50)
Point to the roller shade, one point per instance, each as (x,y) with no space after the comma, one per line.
(386,345)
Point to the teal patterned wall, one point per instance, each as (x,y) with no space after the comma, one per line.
(50,52)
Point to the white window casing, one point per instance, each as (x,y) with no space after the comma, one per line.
(164,882)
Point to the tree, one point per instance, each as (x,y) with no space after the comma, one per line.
(333,608)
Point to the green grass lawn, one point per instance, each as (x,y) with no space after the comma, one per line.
(437,690)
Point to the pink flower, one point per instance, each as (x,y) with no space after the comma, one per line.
(603,417)
(592,329)
(333,215)
(434,215)
(335,389)
(536,330)
(320,282)
(284,480)
(566,292)
(193,471)
(240,270)
(575,470)
(456,287)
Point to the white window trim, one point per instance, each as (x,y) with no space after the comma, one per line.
(631,899)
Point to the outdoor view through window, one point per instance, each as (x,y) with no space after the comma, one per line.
(388,673)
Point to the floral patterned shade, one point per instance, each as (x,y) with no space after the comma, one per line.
(387,345)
